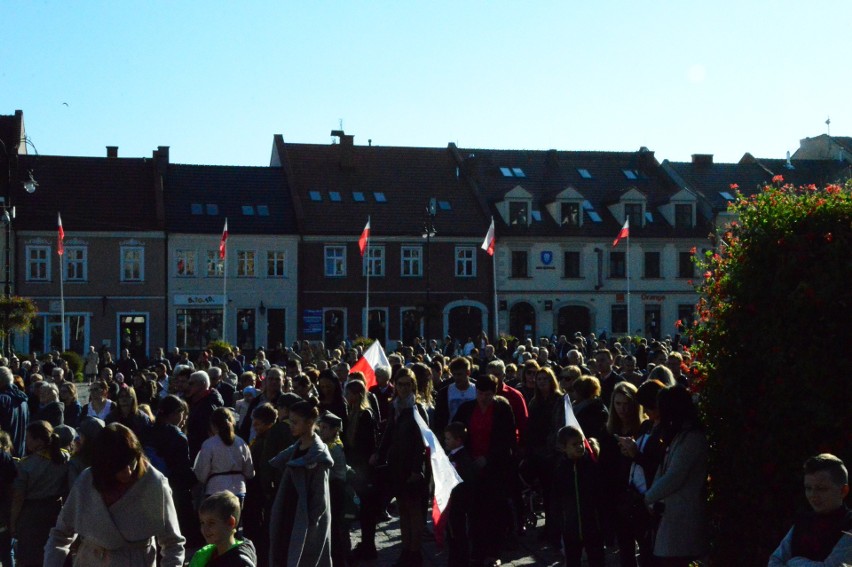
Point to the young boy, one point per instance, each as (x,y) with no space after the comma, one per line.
(219,515)
(823,536)
(461,498)
(328,428)
(577,499)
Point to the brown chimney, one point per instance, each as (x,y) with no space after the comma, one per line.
(112,151)
(347,148)
(702,159)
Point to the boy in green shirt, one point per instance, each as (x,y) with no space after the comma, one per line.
(219,516)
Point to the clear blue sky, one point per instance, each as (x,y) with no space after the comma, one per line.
(216,80)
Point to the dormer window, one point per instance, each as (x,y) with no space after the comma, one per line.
(683,216)
(519,213)
(633,211)
(570,214)
(630,174)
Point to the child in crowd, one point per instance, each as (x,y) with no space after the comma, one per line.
(219,515)
(577,499)
(824,535)
(461,500)
(242,405)
(329,427)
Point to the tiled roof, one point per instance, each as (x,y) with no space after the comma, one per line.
(710,180)
(337,198)
(255,200)
(600,177)
(807,171)
(93,194)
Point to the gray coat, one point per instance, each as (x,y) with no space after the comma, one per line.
(680,485)
(310,540)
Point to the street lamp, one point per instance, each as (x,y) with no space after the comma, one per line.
(428,232)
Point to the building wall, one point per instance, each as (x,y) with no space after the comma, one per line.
(254,302)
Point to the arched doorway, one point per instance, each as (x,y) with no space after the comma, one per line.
(464,321)
(573,318)
(522,321)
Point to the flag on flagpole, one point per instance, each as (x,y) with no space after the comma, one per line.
(223,241)
(623,233)
(365,236)
(444,476)
(571,419)
(60,237)
(372,359)
(488,243)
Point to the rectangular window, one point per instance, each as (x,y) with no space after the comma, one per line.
(519,213)
(570,214)
(38,263)
(76,267)
(215,266)
(275,264)
(335,261)
(412,263)
(652,264)
(185,263)
(197,327)
(375,263)
(685,267)
(617,265)
(634,213)
(683,216)
(245,263)
(132,263)
(520,264)
(618,322)
(465,262)
(686,314)
(572,265)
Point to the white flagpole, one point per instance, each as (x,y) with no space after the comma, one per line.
(494,277)
(629,330)
(62,298)
(225,290)
(366,264)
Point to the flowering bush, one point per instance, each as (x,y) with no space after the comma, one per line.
(773,345)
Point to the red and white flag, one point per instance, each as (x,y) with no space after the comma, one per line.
(623,233)
(365,236)
(372,359)
(60,237)
(224,241)
(571,419)
(443,474)
(488,243)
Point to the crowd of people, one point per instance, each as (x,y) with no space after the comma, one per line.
(276,460)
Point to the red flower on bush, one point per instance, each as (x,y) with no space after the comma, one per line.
(778,179)
(734,186)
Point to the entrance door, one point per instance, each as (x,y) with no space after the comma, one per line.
(465,321)
(334,325)
(522,321)
(245,330)
(133,331)
(652,321)
(54,334)
(573,318)
(276,327)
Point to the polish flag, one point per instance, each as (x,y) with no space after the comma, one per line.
(623,233)
(60,238)
(488,243)
(223,241)
(373,358)
(445,476)
(365,236)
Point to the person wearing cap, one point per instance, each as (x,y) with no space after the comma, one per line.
(329,428)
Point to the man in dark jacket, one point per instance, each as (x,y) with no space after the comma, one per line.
(202,400)
(14,411)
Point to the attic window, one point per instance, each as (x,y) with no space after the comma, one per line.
(584,173)
(315,196)
(248,210)
(726,195)
(570,214)
(536,215)
(518,213)
(630,173)
(197,209)
(444,205)
(358,196)
(263,210)
(587,206)
(506,172)
(518,172)
(212,209)
(649,217)
(380,197)
(334,196)
(594,216)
